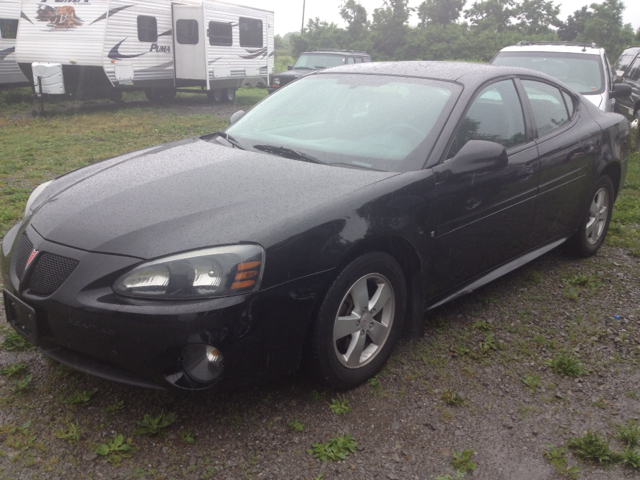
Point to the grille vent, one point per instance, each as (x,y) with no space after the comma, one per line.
(23,252)
(49,273)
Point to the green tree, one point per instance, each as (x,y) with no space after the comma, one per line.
(356,17)
(389,27)
(441,12)
(574,25)
(536,16)
(492,15)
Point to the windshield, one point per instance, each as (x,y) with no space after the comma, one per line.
(317,60)
(583,72)
(379,122)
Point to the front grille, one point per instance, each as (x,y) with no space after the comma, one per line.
(23,252)
(49,273)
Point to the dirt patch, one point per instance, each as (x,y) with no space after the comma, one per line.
(460,387)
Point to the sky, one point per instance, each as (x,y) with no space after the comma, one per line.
(288,13)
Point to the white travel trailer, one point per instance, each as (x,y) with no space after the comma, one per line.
(99,48)
(10,74)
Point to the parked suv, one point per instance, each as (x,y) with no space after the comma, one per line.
(316,60)
(628,71)
(582,66)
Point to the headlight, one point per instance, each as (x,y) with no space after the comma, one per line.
(213,272)
(35,194)
(275,81)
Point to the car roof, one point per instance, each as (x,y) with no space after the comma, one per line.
(585,49)
(467,73)
(338,52)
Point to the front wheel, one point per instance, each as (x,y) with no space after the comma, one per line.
(595,222)
(359,321)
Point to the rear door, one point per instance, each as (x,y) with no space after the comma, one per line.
(189,37)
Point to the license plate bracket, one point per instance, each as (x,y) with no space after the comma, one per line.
(21,317)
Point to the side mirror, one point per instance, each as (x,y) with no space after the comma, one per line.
(289,67)
(620,90)
(236,116)
(478,156)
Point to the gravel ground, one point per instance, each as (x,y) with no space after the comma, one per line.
(404,424)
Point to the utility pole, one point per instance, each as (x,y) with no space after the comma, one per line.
(303,7)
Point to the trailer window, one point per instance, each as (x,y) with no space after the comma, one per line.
(187,32)
(220,34)
(147,28)
(8,27)
(251,33)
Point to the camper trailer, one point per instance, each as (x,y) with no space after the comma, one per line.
(99,48)
(10,74)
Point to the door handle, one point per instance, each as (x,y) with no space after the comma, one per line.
(525,173)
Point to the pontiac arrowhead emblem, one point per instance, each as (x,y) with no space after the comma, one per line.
(31,257)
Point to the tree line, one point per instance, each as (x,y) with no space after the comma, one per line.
(447,31)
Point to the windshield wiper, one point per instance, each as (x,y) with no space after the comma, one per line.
(234,143)
(287,153)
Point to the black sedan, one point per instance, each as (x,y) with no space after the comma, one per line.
(319,226)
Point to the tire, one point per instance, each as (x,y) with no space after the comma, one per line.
(152,94)
(229,95)
(350,345)
(595,222)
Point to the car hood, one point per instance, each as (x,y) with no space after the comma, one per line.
(291,74)
(190,195)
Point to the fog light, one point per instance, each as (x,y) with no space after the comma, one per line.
(203,363)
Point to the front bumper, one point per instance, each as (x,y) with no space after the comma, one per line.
(85,325)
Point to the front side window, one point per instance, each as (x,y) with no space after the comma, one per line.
(623,62)
(495,115)
(581,71)
(147,29)
(187,32)
(220,34)
(251,34)
(548,105)
(8,28)
(316,61)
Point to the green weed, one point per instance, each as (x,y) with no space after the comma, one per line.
(116,449)
(557,456)
(296,425)
(462,460)
(482,326)
(188,437)
(375,383)
(452,398)
(566,364)
(631,456)
(81,397)
(14,342)
(460,350)
(488,344)
(592,446)
(153,425)
(16,370)
(339,405)
(70,432)
(532,381)
(629,433)
(24,384)
(335,449)
(114,407)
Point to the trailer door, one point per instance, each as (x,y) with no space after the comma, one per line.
(189,38)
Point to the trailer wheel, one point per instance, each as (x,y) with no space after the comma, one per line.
(215,96)
(152,94)
(230,95)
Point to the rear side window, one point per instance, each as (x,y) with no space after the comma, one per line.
(187,32)
(8,28)
(548,105)
(220,34)
(147,29)
(251,33)
(358,59)
(495,115)
(623,62)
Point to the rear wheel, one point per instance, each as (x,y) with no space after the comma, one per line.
(595,223)
(359,321)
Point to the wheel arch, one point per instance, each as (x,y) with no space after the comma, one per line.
(614,171)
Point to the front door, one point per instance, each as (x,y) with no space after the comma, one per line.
(483,219)
(189,42)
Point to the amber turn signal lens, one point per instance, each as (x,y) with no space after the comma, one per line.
(247,265)
(245,275)
(244,284)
